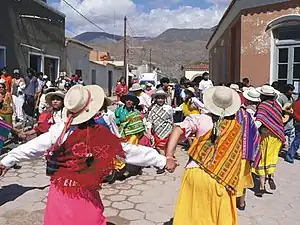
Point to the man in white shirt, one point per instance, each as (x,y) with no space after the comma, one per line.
(205,83)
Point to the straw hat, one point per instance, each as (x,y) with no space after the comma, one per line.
(132,97)
(252,95)
(222,101)
(136,87)
(159,92)
(83,102)
(266,90)
(235,87)
(49,96)
(191,90)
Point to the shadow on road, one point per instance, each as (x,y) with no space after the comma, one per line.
(13,191)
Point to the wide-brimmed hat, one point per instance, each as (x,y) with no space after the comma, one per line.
(50,89)
(148,85)
(235,87)
(221,100)
(108,101)
(49,96)
(83,102)
(252,95)
(266,90)
(191,90)
(136,87)
(159,92)
(132,97)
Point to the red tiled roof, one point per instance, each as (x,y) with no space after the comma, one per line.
(202,67)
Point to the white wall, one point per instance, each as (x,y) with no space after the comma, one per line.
(191,74)
(78,59)
(102,76)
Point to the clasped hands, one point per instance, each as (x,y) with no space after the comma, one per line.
(171,164)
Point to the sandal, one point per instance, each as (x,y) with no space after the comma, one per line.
(241,208)
(272,184)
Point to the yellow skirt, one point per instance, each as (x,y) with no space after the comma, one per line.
(246,180)
(203,201)
(270,147)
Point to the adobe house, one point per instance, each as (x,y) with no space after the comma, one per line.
(33,35)
(258,39)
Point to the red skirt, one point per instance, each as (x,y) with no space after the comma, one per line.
(160,143)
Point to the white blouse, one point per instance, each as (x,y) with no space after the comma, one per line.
(134,154)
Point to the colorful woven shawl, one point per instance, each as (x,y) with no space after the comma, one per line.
(251,138)
(132,125)
(269,114)
(222,160)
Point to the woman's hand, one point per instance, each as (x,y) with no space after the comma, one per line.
(3,170)
(171,164)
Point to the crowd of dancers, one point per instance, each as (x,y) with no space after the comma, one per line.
(232,132)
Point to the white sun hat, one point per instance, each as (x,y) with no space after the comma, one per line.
(136,87)
(252,95)
(267,90)
(159,92)
(83,102)
(222,101)
(49,96)
(235,87)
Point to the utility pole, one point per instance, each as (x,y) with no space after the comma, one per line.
(125,51)
(150,58)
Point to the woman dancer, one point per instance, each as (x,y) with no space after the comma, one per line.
(161,119)
(269,122)
(6,109)
(207,193)
(78,160)
(49,117)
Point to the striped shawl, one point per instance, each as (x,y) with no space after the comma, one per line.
(251,138)
(161,121)
(269,113)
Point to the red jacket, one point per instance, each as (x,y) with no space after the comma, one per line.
(296,109)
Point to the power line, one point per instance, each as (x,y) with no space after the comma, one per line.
(83,15)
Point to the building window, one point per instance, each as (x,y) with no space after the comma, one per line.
(2,56)
(93,76)
(286,33)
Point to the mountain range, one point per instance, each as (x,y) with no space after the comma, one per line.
(170,50)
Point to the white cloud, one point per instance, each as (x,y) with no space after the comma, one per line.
(109,15)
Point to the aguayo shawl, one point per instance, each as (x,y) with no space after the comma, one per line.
(132,125)
(269,114)
(251,138)
(161,121)
(84,159)
(222,159)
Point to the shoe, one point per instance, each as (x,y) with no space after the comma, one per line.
(241,208)
(288,159)
(160,171)
(260,193)
(272,184)
(17,167)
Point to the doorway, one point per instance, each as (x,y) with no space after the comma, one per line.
(51,68)
(110,83)
(35,62)
(2,56)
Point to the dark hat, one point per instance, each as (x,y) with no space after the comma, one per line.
(132,97)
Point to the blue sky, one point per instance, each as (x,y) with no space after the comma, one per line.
(147,17)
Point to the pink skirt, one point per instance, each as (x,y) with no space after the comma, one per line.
(62,209)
